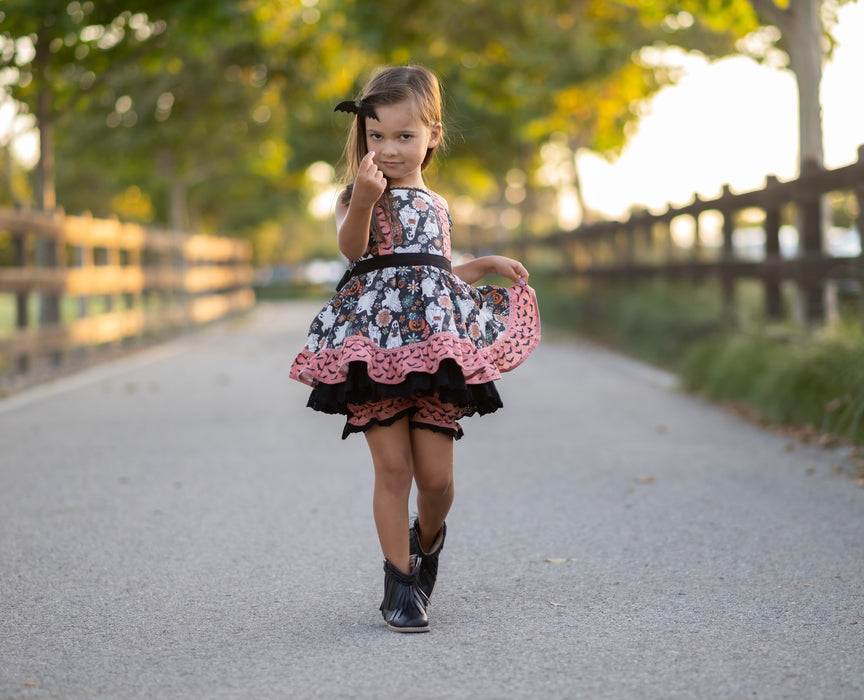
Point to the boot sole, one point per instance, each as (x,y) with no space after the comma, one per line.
(406,629)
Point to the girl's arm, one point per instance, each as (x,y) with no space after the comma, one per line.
(353,219)
(473,270)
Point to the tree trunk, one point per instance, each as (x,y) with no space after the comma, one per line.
(9,158)
(803,33)
(179,212)
(587,215)
(801,26)
(47,252)
(576,144)
(178,209)
(46,194)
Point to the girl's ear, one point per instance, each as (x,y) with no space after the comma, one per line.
(434,134)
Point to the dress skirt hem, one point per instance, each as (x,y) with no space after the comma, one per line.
(384,365)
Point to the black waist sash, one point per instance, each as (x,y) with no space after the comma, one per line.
(379,262)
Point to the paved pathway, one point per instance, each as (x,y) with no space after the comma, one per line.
(179,525)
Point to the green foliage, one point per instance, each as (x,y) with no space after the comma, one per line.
(655,321)
(727,367)
(662,318)
(793,380)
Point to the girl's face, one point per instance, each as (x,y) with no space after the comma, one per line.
(400,140)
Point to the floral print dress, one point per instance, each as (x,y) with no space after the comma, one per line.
(414,341)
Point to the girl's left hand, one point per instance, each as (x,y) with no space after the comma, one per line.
(508,267)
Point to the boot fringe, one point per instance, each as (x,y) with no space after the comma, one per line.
(404,604)
(428,577)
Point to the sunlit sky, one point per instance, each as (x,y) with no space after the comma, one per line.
(731,121)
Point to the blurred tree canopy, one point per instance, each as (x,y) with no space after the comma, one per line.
(217,115)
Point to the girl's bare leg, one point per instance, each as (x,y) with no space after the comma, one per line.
(433,473)
(394,468)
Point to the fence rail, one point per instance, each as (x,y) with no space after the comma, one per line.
(645,246)
(75,285)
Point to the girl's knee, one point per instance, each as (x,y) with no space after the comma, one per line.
(435,485)
(394,471)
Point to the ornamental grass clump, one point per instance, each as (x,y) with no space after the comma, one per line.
(728,367)
(802,381)
(818,383)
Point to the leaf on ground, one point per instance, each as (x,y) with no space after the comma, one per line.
(647,479)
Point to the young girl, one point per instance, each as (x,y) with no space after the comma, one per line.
(407,347)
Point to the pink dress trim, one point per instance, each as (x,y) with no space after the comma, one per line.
(391,365)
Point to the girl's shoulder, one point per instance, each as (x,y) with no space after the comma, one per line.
(438,198)
(440,204)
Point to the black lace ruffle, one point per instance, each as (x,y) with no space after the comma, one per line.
(448,383)
(350,428)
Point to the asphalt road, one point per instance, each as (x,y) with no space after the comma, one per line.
(178,525)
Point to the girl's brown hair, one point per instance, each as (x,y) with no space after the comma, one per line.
(387,87)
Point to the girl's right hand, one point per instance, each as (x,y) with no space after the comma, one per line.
(370,182)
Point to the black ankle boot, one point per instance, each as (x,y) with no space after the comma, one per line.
(404,604)
(429,560)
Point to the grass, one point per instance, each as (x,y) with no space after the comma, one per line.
(651,321)
(801,380)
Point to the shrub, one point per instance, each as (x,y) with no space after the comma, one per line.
(816,381)
(654,321)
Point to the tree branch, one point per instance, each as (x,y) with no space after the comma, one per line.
(769,10)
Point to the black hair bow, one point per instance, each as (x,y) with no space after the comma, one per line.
(364,109)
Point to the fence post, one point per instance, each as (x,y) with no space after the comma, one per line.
(773,297)
(859,199)
(22,298)
(629,244)
(49,302)
(50,254)
(727,281)
(810,284)
(696,252)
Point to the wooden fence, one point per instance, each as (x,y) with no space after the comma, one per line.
(76,286)
(708,244)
